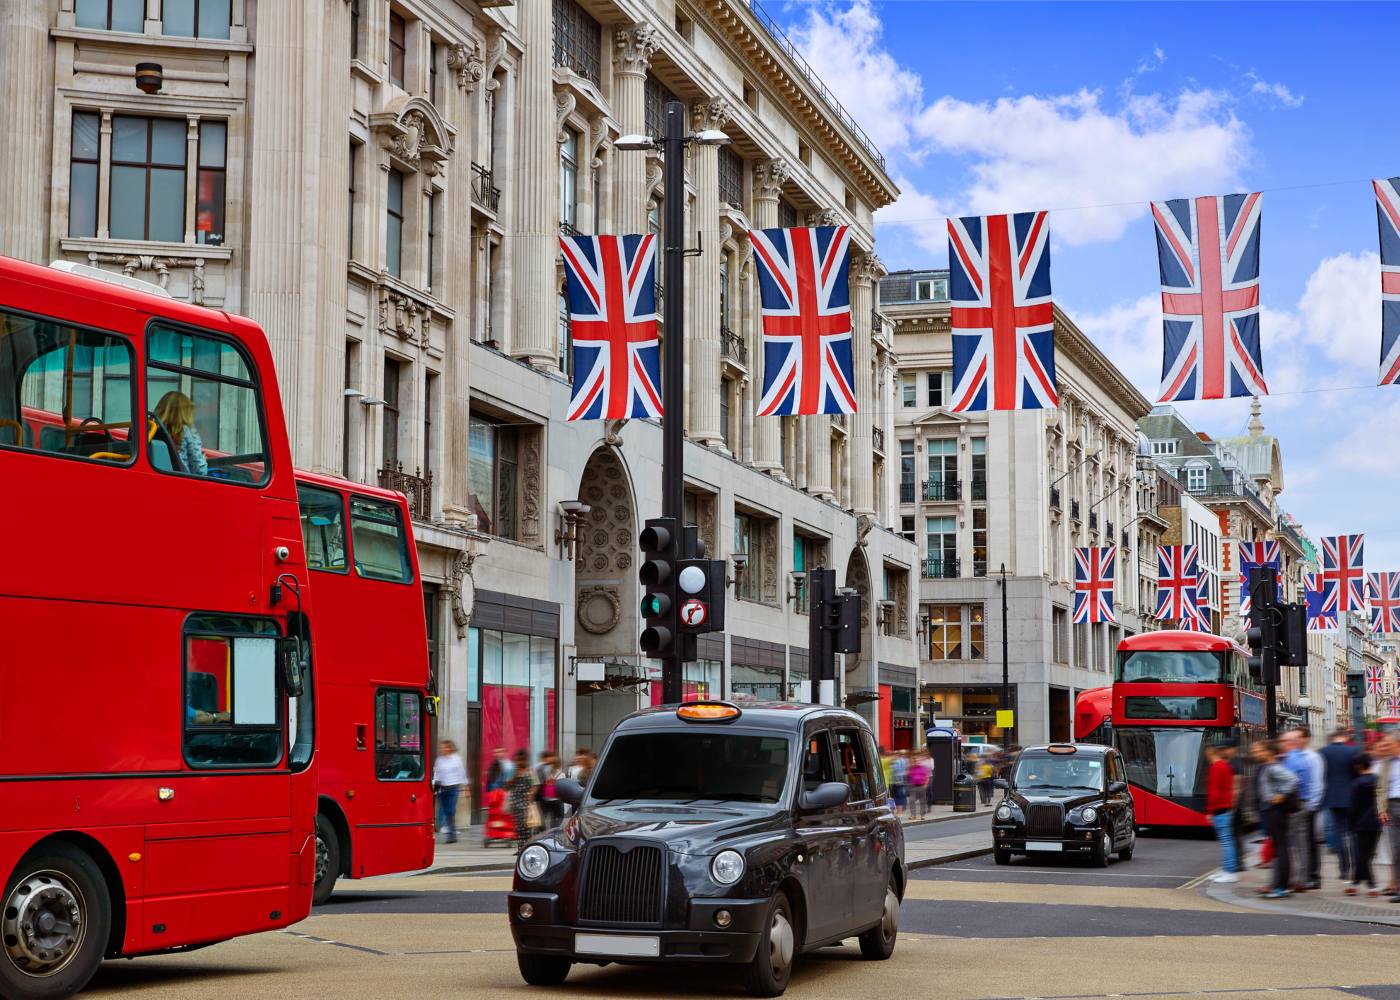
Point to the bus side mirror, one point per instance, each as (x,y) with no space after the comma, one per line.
(289,653)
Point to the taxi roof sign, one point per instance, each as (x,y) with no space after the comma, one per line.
(1062,748)
(707,711)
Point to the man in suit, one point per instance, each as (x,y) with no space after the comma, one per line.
(1339,770)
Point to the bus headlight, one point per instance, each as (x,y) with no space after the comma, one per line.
(727,867)
(534,860)
(1003,812)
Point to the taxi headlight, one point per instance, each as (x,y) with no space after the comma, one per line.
(727,867)
(533,861)
(1088,814)
(1003,812)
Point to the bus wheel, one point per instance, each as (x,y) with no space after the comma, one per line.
(54,924)
(327,859)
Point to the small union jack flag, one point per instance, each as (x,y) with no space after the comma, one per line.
(612,318)
(1177,582)
(1388,220)
(1321,597)
(1342,561)
(1373,679)
(1208,255)
(1253,554)
(804,284)
(1392,705)
(1384,592)
(1002,318)
(1093,584)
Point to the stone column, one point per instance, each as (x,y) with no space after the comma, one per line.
(750,328)
(819,455)
(632,51)
(864,273)
(535,175)
(26,122)
(702,336)
(768,179)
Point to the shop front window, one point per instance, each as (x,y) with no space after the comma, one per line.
(516,692)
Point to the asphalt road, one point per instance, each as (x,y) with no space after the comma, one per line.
(970,929)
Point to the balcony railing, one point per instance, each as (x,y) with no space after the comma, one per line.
(569,229)
(877,437)
(840,420)
(979,489)
(1054,498)
(418,488)
(734,347)
(1125,537)
(1074,509)
(1291,533)
(942,489)
(906,492)
(484,191)
(1093,520)
(940,568)
(1215,486)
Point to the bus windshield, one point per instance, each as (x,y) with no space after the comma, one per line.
(1173,666)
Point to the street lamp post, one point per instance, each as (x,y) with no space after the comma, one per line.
(1005,647)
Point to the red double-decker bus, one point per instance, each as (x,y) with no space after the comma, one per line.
(1174,694)
(157,779)
(374,811)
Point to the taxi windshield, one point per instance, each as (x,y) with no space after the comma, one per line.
(1059,771)
(692,766)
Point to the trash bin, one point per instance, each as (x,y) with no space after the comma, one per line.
(964,794)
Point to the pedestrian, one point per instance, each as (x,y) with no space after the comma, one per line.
(1278,800)
(899,781)
(524,810)
(918,785)
(498,774)
(1339,772)
(1220,807)
(984,777)
(547,773)
(1365,824)
(1388,805)
(1302,840)
(449,778)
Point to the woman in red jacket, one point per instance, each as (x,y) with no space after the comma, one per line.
(1220,807)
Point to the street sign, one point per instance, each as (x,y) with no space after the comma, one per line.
(1006,718)
(693,613)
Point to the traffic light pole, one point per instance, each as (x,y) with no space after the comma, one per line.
(673,354)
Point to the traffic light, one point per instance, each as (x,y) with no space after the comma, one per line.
(660,554)
(701,595)
(846,638)
(1356,686)
(821,589)
(1262,636)
(1292,635)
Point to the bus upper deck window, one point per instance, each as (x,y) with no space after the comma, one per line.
(322,528)
(377,534)
(203,408)
(64,390)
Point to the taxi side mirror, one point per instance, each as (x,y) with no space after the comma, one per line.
(568,791)
(1001,783)
(827,795)
(1117,787)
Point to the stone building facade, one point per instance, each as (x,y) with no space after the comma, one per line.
(979,492)
(381,184)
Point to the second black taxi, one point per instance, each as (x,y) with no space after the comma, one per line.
(1066,798)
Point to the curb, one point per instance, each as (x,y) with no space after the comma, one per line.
(1221,894)
(944,859)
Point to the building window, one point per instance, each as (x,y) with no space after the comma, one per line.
(578,40)
(393,257)
(906,527)
(942,469)
(111,15)
(352,357)
(979,468)
(398,48)
(724,292)
(1195,479)
(726,402)
(1163,447)
(906,472)
(942,538)
(945,632)
(937,388)
(393,372)
(565,337)
(909,387)
(195,18)
(931,289)
(209,184)
(430,265)
(429,401)
(148,179)
(979,541)
(731,178)
(493,475)
(1059,634)
(787,214)
(355,28)
(655,97)
(350,202)
(976,633)
(568,181)
(756,536)
(82,177)
(434,94)
(745,542)
(1081,646)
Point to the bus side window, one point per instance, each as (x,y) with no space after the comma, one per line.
(322,528)
(381,551)
(203,409)
(398,735)
(232,715)
(64,390)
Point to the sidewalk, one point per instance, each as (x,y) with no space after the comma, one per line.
(468,854)
(1327,903)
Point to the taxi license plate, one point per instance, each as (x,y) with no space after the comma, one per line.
(1043,845)
(624,945)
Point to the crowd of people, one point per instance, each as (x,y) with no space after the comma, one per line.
(1345,796)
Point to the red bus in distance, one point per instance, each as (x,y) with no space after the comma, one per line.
(157,778)
(374,812)
(1174,694)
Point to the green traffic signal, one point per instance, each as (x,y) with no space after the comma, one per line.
(654,605)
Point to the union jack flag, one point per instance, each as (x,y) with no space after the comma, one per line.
(1177,582)
(612,318)
(804,284)
(1385,603)
(1208,255)
(1252,554)
(1342,560)
(1373,679)
(1388,220)
(1093,584)
(1002,317)
(1321,597)
(1392,705)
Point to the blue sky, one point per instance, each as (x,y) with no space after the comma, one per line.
(983,108)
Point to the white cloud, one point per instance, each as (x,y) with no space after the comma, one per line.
(1275,91)
(1339,313)
(914,211)
(1130,333)
(1152,62)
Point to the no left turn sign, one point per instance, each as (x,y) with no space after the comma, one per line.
(693,613)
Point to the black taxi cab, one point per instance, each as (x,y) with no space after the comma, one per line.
(1065,798)
(717,834)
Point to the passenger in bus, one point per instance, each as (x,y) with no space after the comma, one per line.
(176,411)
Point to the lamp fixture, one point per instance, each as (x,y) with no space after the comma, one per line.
(796,579)
(371,400)
(710,137)
(353,394)
(634,142)
(566,536)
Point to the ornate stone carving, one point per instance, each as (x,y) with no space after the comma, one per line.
(530,487)
(714,113)
(655,173)
(416,136)
(599,609)
(769,178)
(599,141)
(612,432)
(403,317)
(160,266)
(633,48)
(770,560)
(564,103)
(824,217)
(868,268)
(461,591)
(467,63)
(495,50)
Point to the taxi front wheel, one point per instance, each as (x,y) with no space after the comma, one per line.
(771,968)
(877,944)
(543,970)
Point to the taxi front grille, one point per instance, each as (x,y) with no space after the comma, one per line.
(1044,821)
(622,884)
